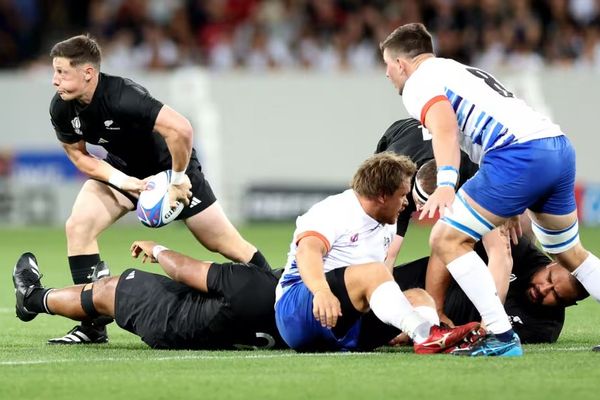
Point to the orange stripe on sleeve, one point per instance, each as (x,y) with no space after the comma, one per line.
(315,234)
(428,105)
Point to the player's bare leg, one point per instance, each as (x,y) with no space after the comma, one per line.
(96,207)
(67,301)
(452,242)
(214,231)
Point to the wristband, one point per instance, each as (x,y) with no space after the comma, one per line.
(447,176)
(117,179)
(156,250)
(177,177)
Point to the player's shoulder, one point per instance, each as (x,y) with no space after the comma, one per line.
(118,86)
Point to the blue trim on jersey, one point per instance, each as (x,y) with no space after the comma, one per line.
(566,242)
(498,128)
(474,213)
(550,232)
(460,112)
(462,228)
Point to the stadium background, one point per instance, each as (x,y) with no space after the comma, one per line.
(286,97)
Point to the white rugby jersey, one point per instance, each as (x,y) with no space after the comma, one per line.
(489,116)
(350,235)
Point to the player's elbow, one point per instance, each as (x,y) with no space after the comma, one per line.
(185,132)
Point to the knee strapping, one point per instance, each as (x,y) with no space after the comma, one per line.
(556,241)
(87,301)
(466,219)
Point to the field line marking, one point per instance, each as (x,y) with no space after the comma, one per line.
(183,358)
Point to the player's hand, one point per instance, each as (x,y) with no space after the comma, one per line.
(441,199)
(180,193)
(326,308)
(401,340)
(445,319)
(144,248)
(513,224)
(133,184)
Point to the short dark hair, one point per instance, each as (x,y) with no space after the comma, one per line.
(410,39)
(382,174)
(78,50)
(427,176)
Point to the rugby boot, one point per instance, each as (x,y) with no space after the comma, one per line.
(443,337)
(26,278)
(491,346)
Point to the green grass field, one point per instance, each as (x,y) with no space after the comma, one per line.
(128,369)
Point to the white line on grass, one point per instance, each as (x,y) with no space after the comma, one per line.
(190,357)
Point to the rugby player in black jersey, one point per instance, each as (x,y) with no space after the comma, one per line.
(409,138)
(203,306)
(535,292)
(142,137)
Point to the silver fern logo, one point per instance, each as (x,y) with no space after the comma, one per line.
(77,125)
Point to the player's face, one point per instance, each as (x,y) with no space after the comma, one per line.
(394,204)
(70,82)
(394,71)
(552,286)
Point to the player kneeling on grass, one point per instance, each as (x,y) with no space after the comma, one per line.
(335,271)
(204,306)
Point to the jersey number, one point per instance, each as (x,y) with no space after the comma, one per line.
(491,82)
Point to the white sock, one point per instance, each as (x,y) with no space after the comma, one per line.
(429,314)
(588,273)
(391,306)
(476,281)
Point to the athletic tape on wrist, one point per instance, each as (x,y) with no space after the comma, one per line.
(157,250)
(177,177)
(447,176)
(117,179)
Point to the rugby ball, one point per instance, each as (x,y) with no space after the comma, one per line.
(153,208)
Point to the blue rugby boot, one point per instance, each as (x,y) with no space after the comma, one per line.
(491,345)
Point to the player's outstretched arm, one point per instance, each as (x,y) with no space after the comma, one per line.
(500,261)
(100,169)
(441,122)
(309,256)
(179,267)
(437,280)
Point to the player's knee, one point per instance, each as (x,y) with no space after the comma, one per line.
(103,295)
(419,297)
(79,226)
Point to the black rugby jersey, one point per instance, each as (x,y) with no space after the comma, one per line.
(120,118)
(408,137)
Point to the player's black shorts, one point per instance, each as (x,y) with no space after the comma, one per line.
(170,315)
(202,194)
(350,315)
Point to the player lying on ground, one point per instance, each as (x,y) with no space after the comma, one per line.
(335,271)
(535,292)
(142,137)
(204,305)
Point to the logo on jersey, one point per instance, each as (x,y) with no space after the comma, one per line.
(512,278)
(77,125)
(354,238)
(102,141)
(108,125)
(515,319)
(131,275)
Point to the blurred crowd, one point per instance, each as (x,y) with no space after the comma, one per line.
(260,35)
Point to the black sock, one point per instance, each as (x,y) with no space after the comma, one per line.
(35,302)
(259,260)
(81,267)
(505,336)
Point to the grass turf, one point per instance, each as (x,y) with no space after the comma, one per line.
(127,369)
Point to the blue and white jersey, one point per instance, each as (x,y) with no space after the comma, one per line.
(350,235)
(489,116)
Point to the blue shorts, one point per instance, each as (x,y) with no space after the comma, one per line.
(299,328)
(537,175)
